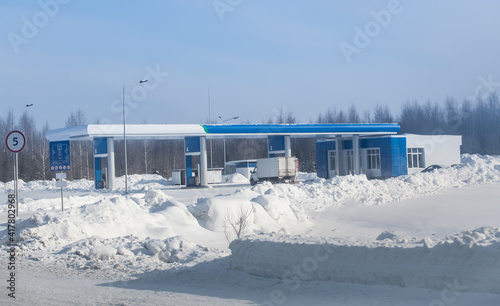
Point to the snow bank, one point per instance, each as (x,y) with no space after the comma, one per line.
(123,255)
(136,182)
(139,232)
(153,216)
(236,178)
(304,176)
(320,194)
(469,260)
(249,211)
(103,252)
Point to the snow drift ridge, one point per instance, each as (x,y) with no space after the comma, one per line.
(470,260)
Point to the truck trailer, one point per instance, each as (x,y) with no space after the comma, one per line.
(274,170)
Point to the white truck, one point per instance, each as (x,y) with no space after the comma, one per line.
(274,169)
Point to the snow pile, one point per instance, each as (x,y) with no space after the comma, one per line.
(136,231)
(108,218)
(250,211)
(138,182)
(470,259)
(235,178)
(304,176)
(80,185)
(319,194)
(124,255)
(102,252)
(170,250)
(156,200)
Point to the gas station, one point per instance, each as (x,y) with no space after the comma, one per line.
(195,141)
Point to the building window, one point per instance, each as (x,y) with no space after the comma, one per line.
(331,160)
(373,159)
(416,158)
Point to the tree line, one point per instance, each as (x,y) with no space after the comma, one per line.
(477,121)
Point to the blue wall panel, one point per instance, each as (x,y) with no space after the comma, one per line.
(393,158)
(347,144)
(399,161)
(395,151)
(97,173)
(189,170)
(322,148)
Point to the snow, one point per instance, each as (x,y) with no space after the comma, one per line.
(425,238)
(469,258)
(235,178)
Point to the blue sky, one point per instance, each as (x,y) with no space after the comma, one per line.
(260,57)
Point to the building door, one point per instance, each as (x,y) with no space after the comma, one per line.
(332,164)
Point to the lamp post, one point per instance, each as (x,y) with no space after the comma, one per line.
(224,121)
(13,119)
(125,134)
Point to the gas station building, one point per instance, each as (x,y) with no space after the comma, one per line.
(195,142)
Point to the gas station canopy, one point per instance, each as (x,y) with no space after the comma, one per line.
(195,136)
(179,131)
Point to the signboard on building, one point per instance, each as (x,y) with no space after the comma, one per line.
(100,147)
(60,155)
(192,145)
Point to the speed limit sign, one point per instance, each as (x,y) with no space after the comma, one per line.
(15,141)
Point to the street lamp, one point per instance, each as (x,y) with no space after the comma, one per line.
(125,134)
(223,121)
(12,123)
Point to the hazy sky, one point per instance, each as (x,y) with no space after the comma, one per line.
(256,56)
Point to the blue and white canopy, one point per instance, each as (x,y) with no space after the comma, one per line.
(172,131)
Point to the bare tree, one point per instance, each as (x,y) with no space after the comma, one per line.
(42,154)
(352,115)
(382,114)
(238,225)
(79,150)
(328,117)
(146,149)
(341,117)
(76,118)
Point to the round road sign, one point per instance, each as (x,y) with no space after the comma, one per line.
(15,141)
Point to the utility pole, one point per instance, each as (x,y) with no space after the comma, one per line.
(210,122)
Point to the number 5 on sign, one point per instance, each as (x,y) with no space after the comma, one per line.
(15,141)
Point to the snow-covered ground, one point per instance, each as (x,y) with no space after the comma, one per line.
(422,239)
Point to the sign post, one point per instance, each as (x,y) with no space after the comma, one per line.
(15,142)
(61,183)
